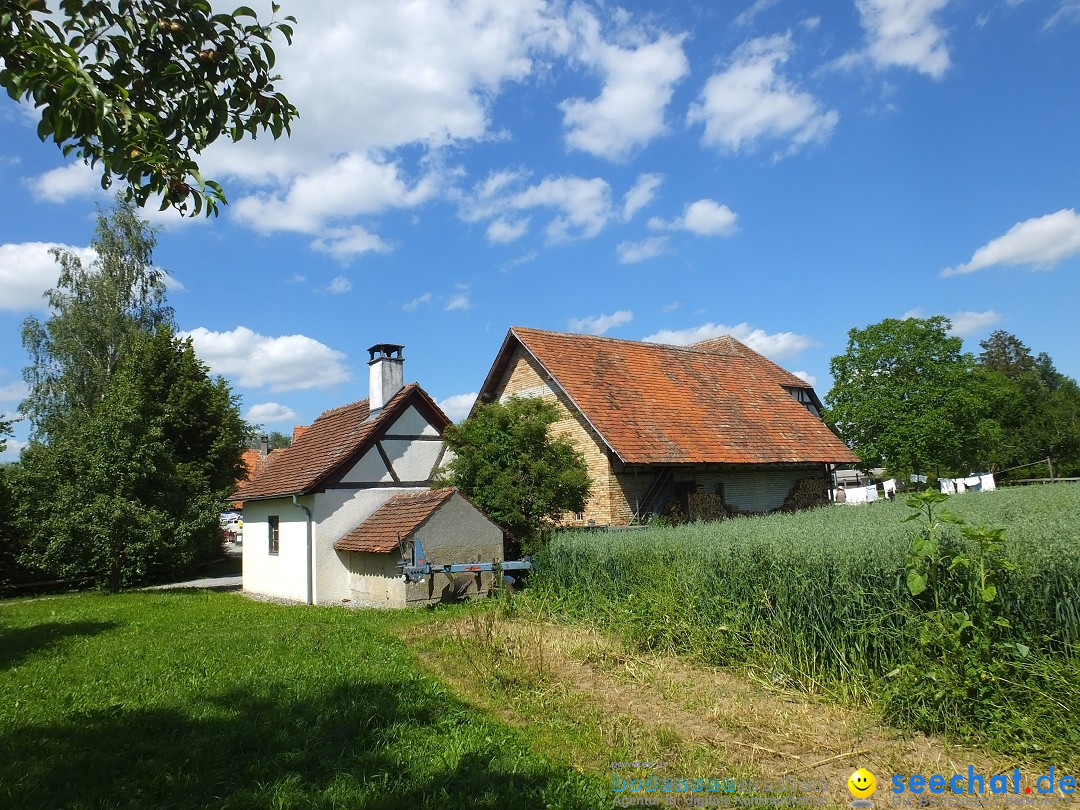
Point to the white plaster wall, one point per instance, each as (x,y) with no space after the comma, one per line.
(337,512)
(283,575)
(412,461)
(456,533)
(411,423)
(369,468)
(375,580)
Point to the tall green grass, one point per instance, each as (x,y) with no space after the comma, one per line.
(818,598)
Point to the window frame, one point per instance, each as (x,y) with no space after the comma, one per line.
(273,527)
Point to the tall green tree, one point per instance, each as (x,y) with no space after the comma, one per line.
(142,87)
(97,314)
(903,397)
(1006,353)
(508,463)
(134,448)
(1036,408)
(133,493)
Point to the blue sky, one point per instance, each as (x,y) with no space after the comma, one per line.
(781,170)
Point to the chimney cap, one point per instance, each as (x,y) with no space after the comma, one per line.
(381,350)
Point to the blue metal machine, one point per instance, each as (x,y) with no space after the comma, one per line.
(418,568)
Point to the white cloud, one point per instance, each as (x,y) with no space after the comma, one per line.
(640,195)
(584,205)
(65,183)
(370,78)
(355,184)
(747,16)
(282,363)
(903,33)
(776,345)
(27,270)
(344,243)
(639,77)
(599,324)
(807,377)
(268,413)
(669,308)
(458,301)
(1041,242)
(339,285)
(501,231)
(703,217)
(633,252)
(457,407)
(416,302)
(966,323)
(13,392)
(750,101)
(13,449)
(1067,12)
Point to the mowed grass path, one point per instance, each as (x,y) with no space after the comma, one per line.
(195,699)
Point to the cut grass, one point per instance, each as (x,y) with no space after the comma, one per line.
(194,699)
(571,687)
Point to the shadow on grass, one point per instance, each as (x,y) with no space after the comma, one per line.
(19,643)
(376,746)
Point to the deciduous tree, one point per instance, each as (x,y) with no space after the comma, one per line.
(133,493)
(508,463)
(142,87)
(98,312)
(134,447)
(903,397)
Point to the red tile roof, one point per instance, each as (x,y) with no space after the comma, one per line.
(398,519)
(718,402)
(333,440)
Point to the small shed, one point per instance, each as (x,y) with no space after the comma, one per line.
(452,531)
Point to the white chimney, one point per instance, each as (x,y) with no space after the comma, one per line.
(385,373)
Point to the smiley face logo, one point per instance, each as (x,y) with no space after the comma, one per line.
(862,784)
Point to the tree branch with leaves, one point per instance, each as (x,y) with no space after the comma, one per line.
(142,87)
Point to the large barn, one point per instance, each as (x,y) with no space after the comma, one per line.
(702,430)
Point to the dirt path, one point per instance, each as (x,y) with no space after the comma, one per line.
(693,719)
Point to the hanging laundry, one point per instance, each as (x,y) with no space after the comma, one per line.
(988,483)
(889,487)
(856,495)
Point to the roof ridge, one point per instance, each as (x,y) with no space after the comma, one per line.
(692,347)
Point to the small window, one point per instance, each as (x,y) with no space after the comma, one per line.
(272,524)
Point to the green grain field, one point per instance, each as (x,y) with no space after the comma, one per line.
(818,599)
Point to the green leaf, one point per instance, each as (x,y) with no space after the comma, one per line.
(988,593)
(916,582)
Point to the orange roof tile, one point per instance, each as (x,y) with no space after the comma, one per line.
(398,519)
(718,402)
(335,438)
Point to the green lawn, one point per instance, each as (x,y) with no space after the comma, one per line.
(195,699)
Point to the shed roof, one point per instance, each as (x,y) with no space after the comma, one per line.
(398,519)
(329,443)
(717,402)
